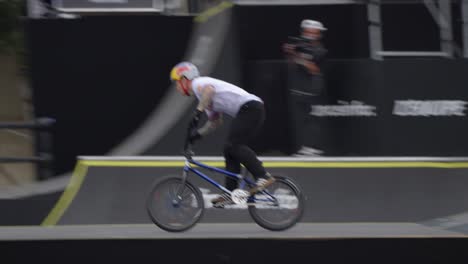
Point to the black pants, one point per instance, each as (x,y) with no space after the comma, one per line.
(306,90)
(306,130)
(244,127)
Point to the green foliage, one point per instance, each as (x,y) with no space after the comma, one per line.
(11,31)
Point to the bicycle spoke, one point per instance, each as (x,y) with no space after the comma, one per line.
(175,216)
(277,207)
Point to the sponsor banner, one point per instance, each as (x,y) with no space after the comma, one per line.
(343,108)
(405,107)
(425,108)
(430,108)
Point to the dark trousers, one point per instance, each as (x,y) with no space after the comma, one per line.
(244,127)
(306,130)
(306,90)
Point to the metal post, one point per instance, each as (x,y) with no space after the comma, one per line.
(44,148)
(445,23)
(442,15)
(375,29)
(193,6)
(35,9)
(464,7)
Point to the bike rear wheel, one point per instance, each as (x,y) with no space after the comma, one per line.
(174,206)
(281,212)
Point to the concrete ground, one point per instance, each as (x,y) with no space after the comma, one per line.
(228,230)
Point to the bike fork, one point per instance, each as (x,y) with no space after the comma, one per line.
(181,188)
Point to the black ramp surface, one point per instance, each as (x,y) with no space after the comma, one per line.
(116,195)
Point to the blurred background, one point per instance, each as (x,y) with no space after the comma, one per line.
(92,78)
(366,110)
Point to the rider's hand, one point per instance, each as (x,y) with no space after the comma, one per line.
(195,119)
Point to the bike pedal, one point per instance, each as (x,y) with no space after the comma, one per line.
(221,201)
(220,205)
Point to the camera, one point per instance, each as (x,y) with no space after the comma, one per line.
(300,44)
(306,50)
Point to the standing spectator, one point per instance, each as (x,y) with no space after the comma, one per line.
(305,55)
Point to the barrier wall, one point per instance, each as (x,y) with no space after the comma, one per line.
(401,107)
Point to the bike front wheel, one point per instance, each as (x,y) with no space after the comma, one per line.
(173,205)
(279,207)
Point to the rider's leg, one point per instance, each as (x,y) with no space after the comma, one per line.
(244,127)
(237,154)
(247,157)
(233,166)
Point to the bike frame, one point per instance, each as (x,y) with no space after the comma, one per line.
(188,168)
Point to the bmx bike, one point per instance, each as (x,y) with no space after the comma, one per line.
(175,204)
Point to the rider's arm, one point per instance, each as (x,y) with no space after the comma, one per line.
(213,122)
(206,97)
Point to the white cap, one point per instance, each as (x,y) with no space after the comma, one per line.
(307,23)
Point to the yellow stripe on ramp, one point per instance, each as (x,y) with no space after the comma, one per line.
(284,164)
(67,196)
